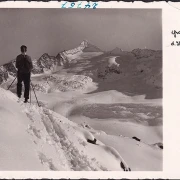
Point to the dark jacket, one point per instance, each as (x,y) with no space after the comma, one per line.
(24,63)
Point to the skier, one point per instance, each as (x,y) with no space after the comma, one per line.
(24,66)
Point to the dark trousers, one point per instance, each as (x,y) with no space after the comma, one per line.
(25,78)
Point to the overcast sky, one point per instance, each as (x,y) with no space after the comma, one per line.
(53,30)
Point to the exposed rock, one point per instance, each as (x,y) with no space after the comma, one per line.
(92,142)
(10,67)
(159,145)
(46,61)
(62,59)
(137,139)
(3,75)
(36,68)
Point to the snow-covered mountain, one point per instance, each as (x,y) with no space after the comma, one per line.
(45,62)
(94,110)
(67,56)
(49,63)
(142,64)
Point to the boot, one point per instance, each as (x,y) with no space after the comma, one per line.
(26,100)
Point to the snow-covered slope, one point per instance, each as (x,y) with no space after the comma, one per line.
(131,71)
(118,120)
(44,140)
(150,66)
(93,112)
(145,53)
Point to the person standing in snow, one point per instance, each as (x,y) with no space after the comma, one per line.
(24,66)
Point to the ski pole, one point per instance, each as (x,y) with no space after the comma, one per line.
(35,94)
(30,94)
(12,83)
(30,88)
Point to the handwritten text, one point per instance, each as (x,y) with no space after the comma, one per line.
(174,32)
(67,4)
(175,35)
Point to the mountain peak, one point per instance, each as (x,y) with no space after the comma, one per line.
(116,51)
(84,43)
(88,47)
(45,55)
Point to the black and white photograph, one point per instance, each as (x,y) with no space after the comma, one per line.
(81,89)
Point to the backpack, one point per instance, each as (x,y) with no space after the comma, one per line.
(25,65)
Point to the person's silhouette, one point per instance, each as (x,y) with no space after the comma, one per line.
(24,66)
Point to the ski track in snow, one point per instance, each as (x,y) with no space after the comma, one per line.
(75,160)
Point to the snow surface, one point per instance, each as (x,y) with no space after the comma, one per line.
(44,140)
(77,106)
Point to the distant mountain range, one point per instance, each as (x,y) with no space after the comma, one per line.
(47,62)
